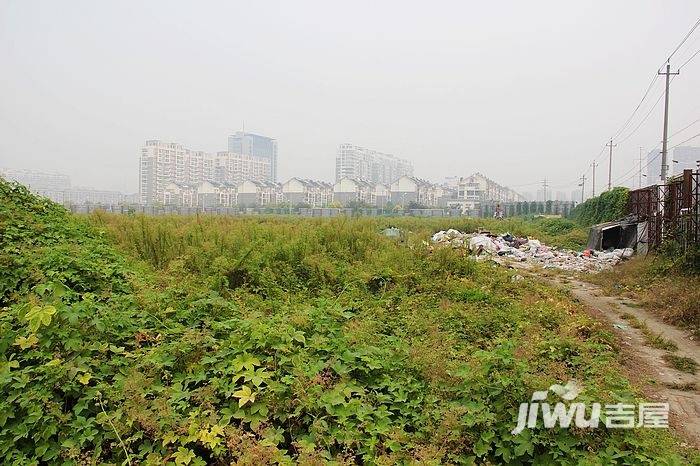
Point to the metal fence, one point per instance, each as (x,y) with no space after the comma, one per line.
(671,211)
(513,209)
(297,211)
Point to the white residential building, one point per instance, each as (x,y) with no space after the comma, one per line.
(47,184)
(252,193)
(231,167)
(365,164)
(215,194)
(78,195)
(348,191)
(179,194)
(409,189)
(309,192)
(681,158)
(57,187)
(37,180)
(685,158)
(257,146)
(472,190)
(164,162)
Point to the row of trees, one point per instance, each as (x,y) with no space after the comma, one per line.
(525,208)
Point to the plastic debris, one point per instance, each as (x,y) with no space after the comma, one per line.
(530,251)
(392,232)
(453,237)
(479,244)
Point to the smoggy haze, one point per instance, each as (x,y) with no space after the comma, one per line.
(516,90)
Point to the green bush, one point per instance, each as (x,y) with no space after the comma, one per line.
(609,206)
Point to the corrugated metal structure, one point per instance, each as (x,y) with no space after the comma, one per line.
(671,211)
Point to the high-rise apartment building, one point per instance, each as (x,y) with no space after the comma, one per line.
(37,180)
(231,167)
(166,162)
(51,185)
(681,158)
(57,187)
(359,163)
(257,146)
(685,158)
(653,168)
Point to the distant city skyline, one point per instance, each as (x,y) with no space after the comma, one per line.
(360,163)
(462,88)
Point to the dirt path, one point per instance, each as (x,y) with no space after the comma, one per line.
(645,360)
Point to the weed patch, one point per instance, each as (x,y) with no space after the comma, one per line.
(681,363)
(218,340)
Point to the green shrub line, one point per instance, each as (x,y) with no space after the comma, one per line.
(608,206)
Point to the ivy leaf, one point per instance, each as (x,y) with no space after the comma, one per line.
(38,316)
(26,342)
(244,395)
(245,360)
(211,437)
(183,456)
(481,448)
(85,378)
(299,336)
(6,367)
(169,437)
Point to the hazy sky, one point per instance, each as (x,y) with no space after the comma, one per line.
(516,90)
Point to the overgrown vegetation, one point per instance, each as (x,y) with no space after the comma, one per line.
(193,340)
(662,283)
(606,207)
(678,260)
(681,363)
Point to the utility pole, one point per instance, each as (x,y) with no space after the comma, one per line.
(544,188)
(611,145)
(583,186)
(664,147)
(594,164)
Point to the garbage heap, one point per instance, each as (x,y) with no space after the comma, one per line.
(530,251)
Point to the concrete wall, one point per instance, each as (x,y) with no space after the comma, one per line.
(247,199)
(296,198)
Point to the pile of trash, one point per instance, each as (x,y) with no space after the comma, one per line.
(531,251)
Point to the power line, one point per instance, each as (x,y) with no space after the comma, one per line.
(627,176)
(646,93)
(683,142)
(646,116)
(651,85)
(631,117)
(684,128)
(667,73)
(624,177)
(697,23)
(688,60)
(643,119)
